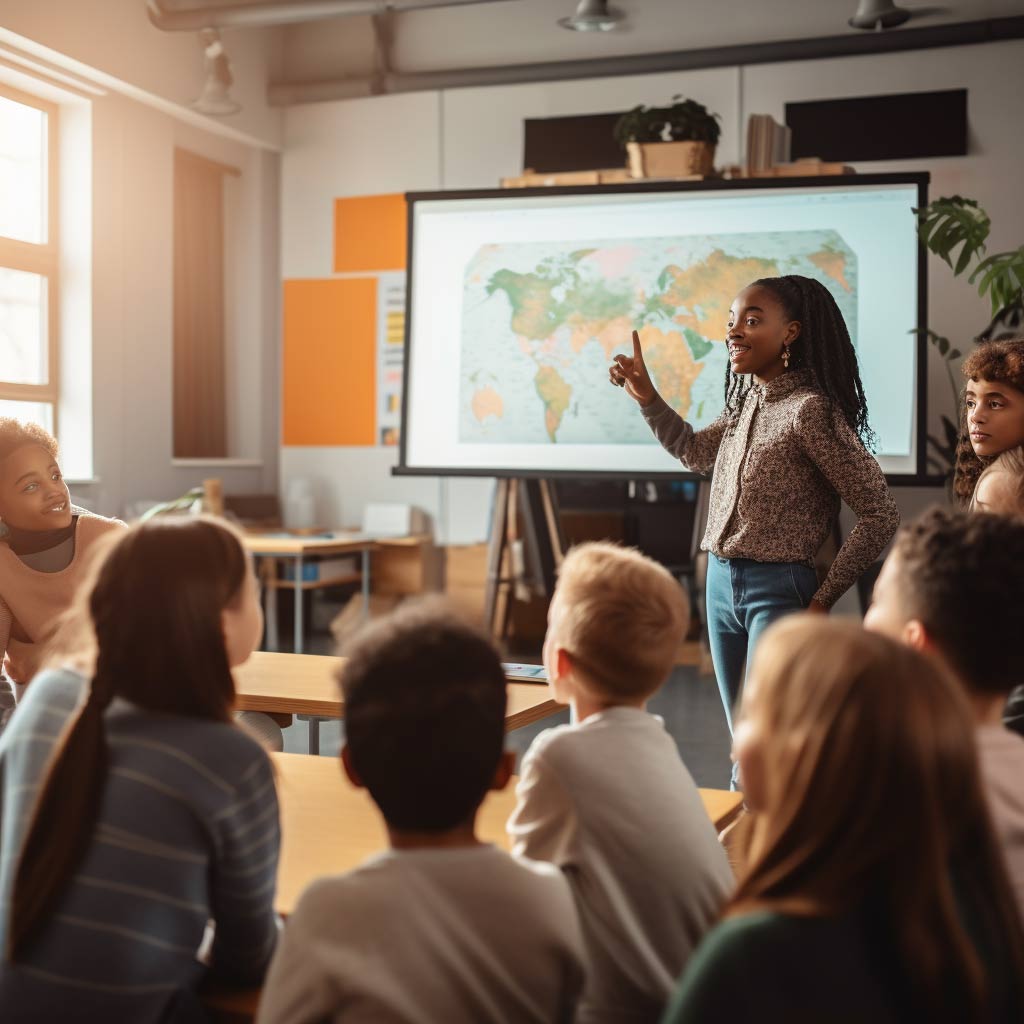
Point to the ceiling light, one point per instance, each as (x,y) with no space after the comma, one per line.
(214,98)
(878,14)
(592,16)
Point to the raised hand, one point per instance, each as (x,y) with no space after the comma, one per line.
(631,373)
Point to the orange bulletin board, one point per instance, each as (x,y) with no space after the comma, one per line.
(330,386)
(369,233)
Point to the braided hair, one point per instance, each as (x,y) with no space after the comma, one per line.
(996,361)
(823,346)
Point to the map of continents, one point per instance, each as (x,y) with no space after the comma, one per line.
(542,320)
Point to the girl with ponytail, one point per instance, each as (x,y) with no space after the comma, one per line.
(791,443)
(133,812)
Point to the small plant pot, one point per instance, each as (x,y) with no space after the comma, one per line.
(670,159)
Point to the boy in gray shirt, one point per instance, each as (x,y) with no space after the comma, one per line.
(608,799)
(440,927)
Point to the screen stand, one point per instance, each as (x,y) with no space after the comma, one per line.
(525,547)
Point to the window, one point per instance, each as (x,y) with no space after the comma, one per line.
(29,258)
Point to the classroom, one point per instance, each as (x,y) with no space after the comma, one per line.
(511,511)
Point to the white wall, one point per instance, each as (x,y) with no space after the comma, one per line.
(472,137)
(116,38)
(133,181)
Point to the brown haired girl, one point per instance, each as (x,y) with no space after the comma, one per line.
(44,540)
(875,888)
(133,811)
(992,418)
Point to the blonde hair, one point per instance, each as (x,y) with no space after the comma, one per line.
(1010,462)
(872,794)
(622,618)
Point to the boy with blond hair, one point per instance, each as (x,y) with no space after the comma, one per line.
(608,799)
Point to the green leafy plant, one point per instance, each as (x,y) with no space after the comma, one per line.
(956,230)
(176,505)
(684,121)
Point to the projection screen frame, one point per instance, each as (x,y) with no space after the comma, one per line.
(920,179)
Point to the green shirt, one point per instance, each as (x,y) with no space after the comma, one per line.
(768,967)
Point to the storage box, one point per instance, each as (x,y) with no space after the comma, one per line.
(325,569)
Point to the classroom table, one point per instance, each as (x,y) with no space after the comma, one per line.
(305,684)
(329,827)
(284,547)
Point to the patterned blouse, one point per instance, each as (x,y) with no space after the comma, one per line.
(779,469)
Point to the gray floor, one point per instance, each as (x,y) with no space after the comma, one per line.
(689,704)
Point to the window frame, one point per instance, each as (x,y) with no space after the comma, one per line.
(42,259)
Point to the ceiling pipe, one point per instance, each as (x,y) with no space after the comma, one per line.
(266,15)
(283,94)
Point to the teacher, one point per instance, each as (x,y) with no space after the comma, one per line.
(790,443)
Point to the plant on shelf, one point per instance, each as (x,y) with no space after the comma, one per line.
(945,226)
(678,140)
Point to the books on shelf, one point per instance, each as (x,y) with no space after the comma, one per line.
(768,144)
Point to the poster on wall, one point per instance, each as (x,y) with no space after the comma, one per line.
(390,355)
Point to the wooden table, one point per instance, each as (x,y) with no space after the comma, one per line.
(305,684)
(277,547)
(329,827)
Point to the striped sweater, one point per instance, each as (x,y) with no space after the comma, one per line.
(187,832)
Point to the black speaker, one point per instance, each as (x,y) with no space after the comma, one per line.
(905,126)
(581,143)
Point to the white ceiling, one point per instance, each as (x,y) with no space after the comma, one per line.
(526,32)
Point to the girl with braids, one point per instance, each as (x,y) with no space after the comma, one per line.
(133,812)
(992,417)
(788,446)
(876,888)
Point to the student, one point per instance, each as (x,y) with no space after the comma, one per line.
(1000,489)
(44,542)
(945,588)
(441,927)
(788,446)
(992,418)
(132,811)
(608,799)
(1000,485)
(876,891)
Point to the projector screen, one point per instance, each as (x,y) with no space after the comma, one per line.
(519,299)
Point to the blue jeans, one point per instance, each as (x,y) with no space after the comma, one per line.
(744,597)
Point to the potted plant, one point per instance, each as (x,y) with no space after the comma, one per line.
(668,142)
(945,225)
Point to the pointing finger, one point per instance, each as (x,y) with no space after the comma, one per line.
(638,354)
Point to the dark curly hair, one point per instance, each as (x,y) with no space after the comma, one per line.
(823,346)
(1001,361)
(15,434)
(958,577)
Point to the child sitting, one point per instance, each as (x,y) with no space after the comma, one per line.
(132,810)
(875,891)
(608,799)
(1000,486)
(441,927)
(44,541)
(952,585)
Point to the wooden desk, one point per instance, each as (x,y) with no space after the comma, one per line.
(329,827)
(276,547)
(304,684)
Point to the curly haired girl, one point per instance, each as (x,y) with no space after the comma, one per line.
(43,544)
(992,415)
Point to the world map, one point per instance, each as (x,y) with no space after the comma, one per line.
(542,320)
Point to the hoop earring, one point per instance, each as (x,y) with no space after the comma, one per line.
(4,530)
(785,357)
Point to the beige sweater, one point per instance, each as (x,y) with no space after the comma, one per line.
(32,601)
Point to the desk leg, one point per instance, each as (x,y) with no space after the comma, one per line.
(313,732)
(298,605)
(366,584)
(268,572)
